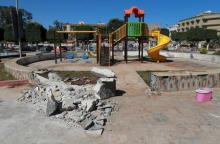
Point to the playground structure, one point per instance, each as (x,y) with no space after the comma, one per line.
(135,30)
(162,42)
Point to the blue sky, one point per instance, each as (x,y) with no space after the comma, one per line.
(163,12)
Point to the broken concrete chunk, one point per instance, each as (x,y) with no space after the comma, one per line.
(103,72)
(68,104)
(100,122)
(108,111)
(54,77)
(86,124)
(89,104)
(96,127)
(52,105)
(105,88)
(104,107)
(95,132)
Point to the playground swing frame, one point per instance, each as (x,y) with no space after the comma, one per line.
(98,39)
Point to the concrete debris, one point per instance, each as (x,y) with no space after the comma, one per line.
(105,88)
(89,104)
(86,124)
(100,122)
(52,105)
(54,77)
(103,72)
(95,133)
(68,104)
(84,106)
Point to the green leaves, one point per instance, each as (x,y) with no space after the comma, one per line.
(84,36)
(114,24)
(35,33)
(195,34)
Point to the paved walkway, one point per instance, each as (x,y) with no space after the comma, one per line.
(171,118)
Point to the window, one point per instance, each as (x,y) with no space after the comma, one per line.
(192,22)
(197,21)
(204,20)
(187,23)
(183,24)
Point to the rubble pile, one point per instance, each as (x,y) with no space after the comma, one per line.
(83,106)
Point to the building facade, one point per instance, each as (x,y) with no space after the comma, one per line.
(173,29)
(207,20)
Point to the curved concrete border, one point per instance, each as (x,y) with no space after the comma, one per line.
(18,67)
(196,56)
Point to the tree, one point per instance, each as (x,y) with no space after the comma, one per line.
(179,36)
(211,35)
(114,24)
(196,34)
(58,25)
(54,37)
(35,33)
(84,36)
(6,17)
(165,31)
(26,17)
(1,34)
(103,30)
(9,34)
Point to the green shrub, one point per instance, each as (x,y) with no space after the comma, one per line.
(203,51)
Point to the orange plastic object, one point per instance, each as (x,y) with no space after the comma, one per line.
(134,10)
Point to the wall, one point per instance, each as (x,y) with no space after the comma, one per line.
(196,56)
(183,82)
(18,67)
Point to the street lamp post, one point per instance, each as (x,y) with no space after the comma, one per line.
(18,29)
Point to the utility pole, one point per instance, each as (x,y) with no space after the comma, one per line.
(18,29)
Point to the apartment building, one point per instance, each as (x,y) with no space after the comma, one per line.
(207,20)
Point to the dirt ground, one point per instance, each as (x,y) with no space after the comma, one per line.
(169,118)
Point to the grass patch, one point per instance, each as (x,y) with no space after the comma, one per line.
(5,75)
(76,77)
(73,74)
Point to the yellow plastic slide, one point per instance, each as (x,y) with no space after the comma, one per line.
(162,42)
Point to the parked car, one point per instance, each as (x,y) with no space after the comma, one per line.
(46,49)
(29,48)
